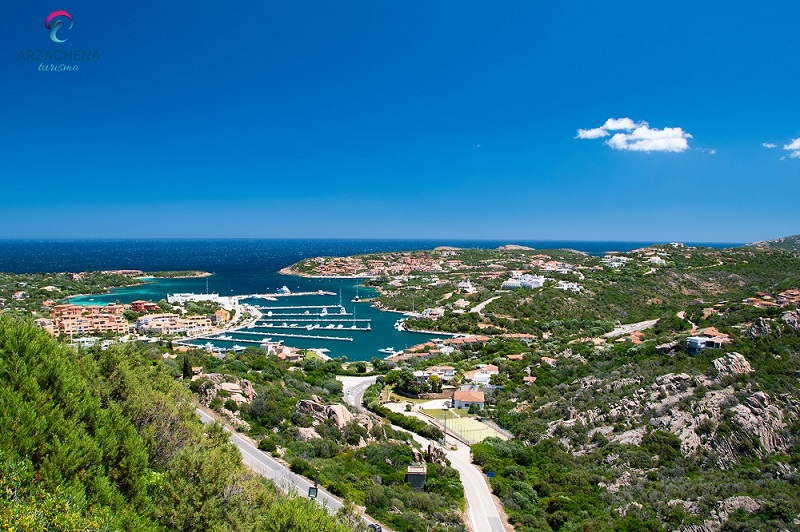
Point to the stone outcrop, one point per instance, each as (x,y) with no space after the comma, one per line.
(721,512)
(307,433)
(754,426)
(760,329)
(320,413)
(792,318)
(732,364)
(241,391)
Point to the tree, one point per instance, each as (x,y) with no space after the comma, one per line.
(187,369)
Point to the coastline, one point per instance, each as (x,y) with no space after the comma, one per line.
(145,279)
(289,271)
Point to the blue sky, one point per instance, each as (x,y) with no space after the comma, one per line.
(411,119)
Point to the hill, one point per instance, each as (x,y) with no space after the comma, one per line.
(107,440)
(787,243)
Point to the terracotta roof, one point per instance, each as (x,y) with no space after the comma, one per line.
(468,396)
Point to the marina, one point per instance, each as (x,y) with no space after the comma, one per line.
(321,321)
(290,335)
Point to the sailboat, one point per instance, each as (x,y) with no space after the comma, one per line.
(357,298)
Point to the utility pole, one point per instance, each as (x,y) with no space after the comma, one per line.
(444,439)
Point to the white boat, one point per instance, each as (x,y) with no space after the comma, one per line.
(237,348)
(340,326)
(208,346)
(387,350)
(399,325)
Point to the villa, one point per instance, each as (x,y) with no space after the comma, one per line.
(467,398)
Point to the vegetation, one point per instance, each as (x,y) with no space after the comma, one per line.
(361,462)
(106,440)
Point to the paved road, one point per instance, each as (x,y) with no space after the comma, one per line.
(280,474)
(481,510)
(479,307)
(631,327)
(353,389)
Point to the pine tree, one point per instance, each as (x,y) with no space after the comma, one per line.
(187,369)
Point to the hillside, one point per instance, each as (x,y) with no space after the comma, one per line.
(106,440)
(787,243)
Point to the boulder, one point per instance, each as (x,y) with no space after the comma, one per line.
(338,413)
(759,329)
(732,364)
(792,318)
(307,434)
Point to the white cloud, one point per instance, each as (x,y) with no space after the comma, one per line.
(616,124)
(641,136)
(769,145)
(794,147)
(595,133)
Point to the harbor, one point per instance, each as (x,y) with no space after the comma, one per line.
(311,314)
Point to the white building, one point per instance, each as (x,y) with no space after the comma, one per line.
(566,285)
(524,281)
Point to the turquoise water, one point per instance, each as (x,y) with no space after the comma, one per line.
(364,346)
(249,266)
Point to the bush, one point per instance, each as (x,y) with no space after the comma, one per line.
(267,445)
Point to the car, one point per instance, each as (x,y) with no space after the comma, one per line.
(376,527)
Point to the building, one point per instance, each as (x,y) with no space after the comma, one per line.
(445,373)
(708,338)
(523,281)
(77,319)
(140,306)
(483,374)
(566,285)
(467,398)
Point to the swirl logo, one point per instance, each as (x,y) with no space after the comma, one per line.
(54,21)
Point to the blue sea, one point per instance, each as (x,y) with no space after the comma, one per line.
(248,266)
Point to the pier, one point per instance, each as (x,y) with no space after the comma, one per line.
(296,327)
(306,314)
(269,297)
(295,307)
(306,336)
(316,320)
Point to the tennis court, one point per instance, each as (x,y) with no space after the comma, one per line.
(469,428)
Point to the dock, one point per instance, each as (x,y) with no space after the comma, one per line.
(290,294)
(306,336)
(295,307)
(315,320)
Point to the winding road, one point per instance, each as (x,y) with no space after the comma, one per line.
(270,468)
(482,513)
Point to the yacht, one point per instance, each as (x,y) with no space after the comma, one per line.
(238,348)
(387,350)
